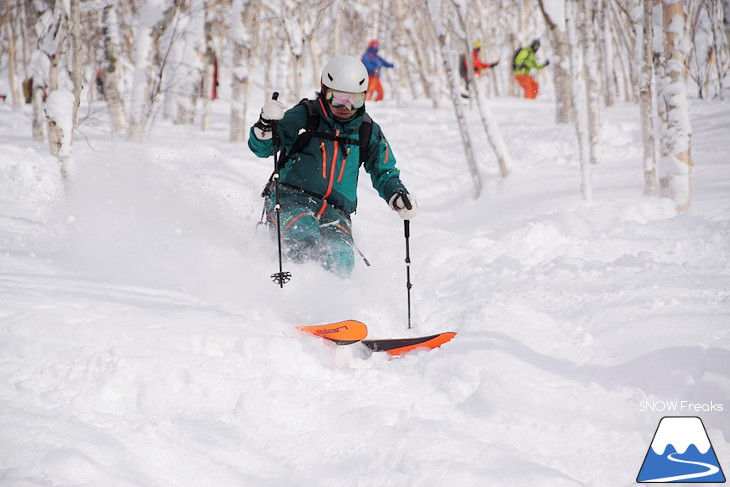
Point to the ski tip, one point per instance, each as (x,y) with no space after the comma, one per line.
(341,332)
(400,346)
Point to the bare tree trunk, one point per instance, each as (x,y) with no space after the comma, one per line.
(241,38)
(491,128)
(113,71)
(606,50)
(677,160)
(76,55)
(592,86)
(38,117)
(721,46)
(646,96)
(142,96)
(564,109)
(454,91)
(581,118)
(60,126)
(55,127)
(208,71)
(422,65)
(625,56)
(10,33)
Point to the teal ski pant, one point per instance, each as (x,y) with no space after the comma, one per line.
(313,230)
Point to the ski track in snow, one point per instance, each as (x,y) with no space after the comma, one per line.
(142,342)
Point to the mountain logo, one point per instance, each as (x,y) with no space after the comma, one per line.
(680,452)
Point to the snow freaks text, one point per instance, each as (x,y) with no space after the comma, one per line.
(680,407)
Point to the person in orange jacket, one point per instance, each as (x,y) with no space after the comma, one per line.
(374,63)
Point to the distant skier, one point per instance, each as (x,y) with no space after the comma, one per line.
(326,140)
(477,63)
(374,63)
(524,62)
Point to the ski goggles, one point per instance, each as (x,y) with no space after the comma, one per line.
(344,99)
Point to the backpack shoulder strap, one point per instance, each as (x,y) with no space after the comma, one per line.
(299,144)
(515,64)
(309,128)
(366,130)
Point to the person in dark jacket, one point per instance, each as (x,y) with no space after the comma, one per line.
(318,183)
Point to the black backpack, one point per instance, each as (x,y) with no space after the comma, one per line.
(516,66)
(462,66)
(310,130)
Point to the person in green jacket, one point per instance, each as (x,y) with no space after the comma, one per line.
(318,182)
(524,62)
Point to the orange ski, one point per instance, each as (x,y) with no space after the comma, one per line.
(399,346)
(342,332)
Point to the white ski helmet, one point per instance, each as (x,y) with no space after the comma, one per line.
(345,73)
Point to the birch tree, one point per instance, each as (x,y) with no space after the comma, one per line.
(676,157)
(720,42)
(606,49)
(8,15)
(241,40)
(145,69)
(555,21)
(646,97)
(59,107)
(113,68)
(489,123)
(587,24)
(446,52)
(76,56)
(577,83)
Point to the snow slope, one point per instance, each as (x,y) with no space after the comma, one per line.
(142,342)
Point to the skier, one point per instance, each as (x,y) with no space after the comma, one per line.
(478,64)
(374,63)
(325,141)
(524,62)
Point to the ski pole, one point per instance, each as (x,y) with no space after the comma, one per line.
(280,277)
(407,232)
(364,259)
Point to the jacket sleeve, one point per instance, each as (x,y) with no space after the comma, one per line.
(380,164)
(478,62)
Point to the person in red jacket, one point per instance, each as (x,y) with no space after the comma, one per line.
(478,64)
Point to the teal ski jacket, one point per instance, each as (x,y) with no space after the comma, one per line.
(329,169)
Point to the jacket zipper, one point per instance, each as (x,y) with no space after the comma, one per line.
(332,167)
(323,148)
(344,162)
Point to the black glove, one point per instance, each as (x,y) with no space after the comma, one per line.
(546,62)
(494,63)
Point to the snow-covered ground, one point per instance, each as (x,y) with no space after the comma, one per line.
(142,342)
